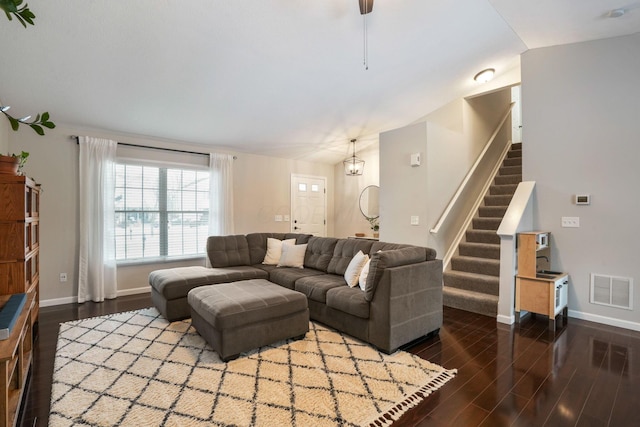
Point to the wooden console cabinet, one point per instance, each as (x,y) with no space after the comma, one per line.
(538,289)
(20,238)
(16,358)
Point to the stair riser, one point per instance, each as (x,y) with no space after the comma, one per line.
(487,308)
(498,190)
(486,223)
(487,251)
(512,161)
(480,237)
(476,266)
(508,179)
(516,146)
(490,287)
(502,200)
(492,211)
(511,170)
(514,154)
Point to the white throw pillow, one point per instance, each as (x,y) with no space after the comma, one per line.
(274,250)
(354,268)
(292,256)
(362,280)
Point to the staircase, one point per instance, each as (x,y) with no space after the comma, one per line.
(473,281)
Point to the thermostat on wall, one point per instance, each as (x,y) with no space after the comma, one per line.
(583,199)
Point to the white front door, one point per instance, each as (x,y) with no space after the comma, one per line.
(309,204)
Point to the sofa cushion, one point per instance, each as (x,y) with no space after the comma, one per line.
(258,243)
(344,251)
(319,252)
(391,258)
(292,256)
(173,283)
(384,246)
(228,251)
(316,287)
(287,276)
(364,273)
(274,250)
(352,274)
(348,300)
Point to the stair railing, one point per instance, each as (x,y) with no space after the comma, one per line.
(451,248)
(467,178)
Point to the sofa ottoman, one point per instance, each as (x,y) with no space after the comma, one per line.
(240,316)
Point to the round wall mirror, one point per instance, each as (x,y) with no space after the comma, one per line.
(369,205)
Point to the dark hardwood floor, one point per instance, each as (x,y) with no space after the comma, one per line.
(585,374)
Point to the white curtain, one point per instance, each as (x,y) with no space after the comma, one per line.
(220,194)
(97,263)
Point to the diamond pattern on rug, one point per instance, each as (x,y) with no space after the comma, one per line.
(137,369)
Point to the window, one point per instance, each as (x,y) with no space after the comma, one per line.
(160,212)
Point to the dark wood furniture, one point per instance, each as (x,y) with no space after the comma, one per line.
(15,363)
(20,238)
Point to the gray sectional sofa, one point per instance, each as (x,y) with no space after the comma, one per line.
(401,302)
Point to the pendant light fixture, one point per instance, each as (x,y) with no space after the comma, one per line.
(353,166)
(366,6)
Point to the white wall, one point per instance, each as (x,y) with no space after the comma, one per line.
(449,140)
(581,127)
(261,188)
(348,218)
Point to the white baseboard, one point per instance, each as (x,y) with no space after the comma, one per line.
(58,301)
(507,320)
(634,326)
(73,300)
(135,291)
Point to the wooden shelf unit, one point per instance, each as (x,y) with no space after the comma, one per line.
(20,238)
(545,294)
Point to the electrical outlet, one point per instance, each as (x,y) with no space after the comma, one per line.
(286,218)
(63,277)
(571,221)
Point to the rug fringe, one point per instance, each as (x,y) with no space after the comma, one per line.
(412,400)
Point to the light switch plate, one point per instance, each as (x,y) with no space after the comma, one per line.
(278,218)
(571,221)
(286,217)
(415,220)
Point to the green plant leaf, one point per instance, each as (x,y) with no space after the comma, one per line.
(38,129)
(9,6)
(45,116)
(14,123)
(49,125)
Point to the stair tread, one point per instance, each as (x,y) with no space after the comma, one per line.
(480,245)
(474,302)
(479,295)
(476,259)
(476,276)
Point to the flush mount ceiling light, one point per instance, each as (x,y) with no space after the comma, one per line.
(353,166)
(485,75)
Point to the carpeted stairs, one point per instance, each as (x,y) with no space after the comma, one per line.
(473,279)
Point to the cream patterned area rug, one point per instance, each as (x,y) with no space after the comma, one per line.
(137,369)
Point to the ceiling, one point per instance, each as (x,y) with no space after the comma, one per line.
(282,78)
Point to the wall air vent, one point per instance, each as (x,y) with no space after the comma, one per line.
(613,291)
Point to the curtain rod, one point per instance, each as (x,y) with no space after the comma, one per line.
(155,148)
